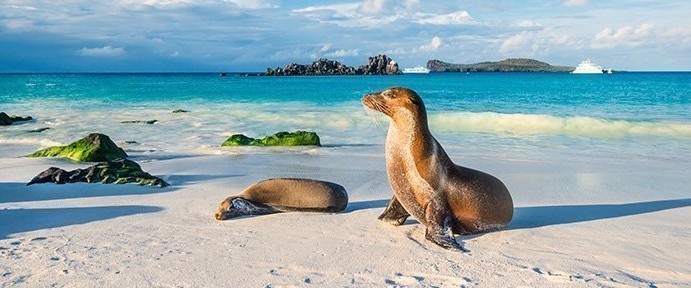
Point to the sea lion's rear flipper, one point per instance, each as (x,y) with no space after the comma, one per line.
(394,214)
(440,228)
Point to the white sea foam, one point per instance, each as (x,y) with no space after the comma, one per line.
(533,124)
(30,141)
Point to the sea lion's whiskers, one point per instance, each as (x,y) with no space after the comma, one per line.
(372,116)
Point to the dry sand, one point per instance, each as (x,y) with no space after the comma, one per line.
(609,224)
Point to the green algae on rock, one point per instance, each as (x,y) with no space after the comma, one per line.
(180,111)
(118,171)
(93,148)
(297,138)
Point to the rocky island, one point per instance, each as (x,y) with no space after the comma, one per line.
(506,65)
(377,65)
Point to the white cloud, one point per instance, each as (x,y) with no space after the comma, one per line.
(346,15)
(372,7)
(343,53)
(242,4)
(432,46)
(624,36)
(455,18)
(18,24)
(411,4)
(105,51)
(532,43)
(516,42)
(575,3)
(326,51)
(375,13)
(253,4)
(319,53)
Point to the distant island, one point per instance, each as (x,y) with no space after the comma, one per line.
(507,65)
(377,65)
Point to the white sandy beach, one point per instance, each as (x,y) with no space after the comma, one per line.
(577,224)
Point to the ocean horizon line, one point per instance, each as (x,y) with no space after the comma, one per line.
(252,73)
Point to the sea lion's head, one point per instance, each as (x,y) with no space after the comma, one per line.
(395,100)
(235,206)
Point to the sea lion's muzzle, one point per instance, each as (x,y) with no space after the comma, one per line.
(375,101)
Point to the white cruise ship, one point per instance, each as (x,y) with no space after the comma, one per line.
(416,70)
(587,67)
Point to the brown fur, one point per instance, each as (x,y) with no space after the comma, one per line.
(426,183)
(286,194)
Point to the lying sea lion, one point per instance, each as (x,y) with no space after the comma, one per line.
(283,195)
(443,196)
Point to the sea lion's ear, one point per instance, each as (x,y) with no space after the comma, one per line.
(415,100)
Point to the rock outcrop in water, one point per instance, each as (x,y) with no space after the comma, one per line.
(507,65)
(298,138)
(319,67)
(93,148)
(378,65)
(6,120)
(119,171)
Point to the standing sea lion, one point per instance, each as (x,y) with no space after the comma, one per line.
(282,195)
(445,197)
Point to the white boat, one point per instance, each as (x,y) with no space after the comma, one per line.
(416,70)
(587,67)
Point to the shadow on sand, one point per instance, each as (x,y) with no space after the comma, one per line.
(541,216)
(25,220)
(19,192)
(368,204)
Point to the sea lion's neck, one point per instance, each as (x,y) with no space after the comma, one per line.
(409,132)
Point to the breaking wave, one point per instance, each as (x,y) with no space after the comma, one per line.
(535,124)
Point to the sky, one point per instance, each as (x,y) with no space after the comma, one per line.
(251,35)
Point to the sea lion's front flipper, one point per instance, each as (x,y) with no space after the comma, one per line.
(440,228)
(394,214)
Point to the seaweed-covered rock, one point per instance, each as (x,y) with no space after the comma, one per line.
(8,120)
(298,138)
(93,148)
(119,171)
(180,111)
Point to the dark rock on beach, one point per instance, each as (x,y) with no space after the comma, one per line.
(119,171)
(93,148)
(140,121)
(180,111)
(6,120)
(378,65)
(298,138)
(39,130)
(507,65)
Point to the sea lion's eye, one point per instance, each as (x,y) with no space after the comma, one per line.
(389,94)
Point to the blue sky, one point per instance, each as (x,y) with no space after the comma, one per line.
(250,35)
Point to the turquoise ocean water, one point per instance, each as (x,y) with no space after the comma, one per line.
(530,116)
